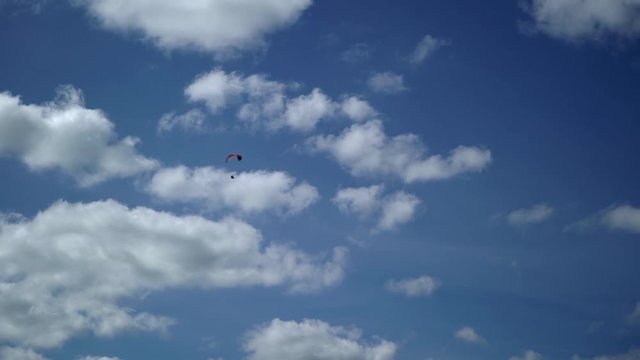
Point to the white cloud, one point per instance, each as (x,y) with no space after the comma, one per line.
(420,286)
(392,210)
(624,218)
(217,26)
(263,103)
(584,20)
(469,335)
(528,355)
(64,272)
(397,209)
(533,215)
(364,149)
(312,339)
(191,121)
(633,354)
(361,201)
(616,217)
(304,112)
(425,48)
(357,109)
(249,192)
(386,83)
(98,358)
(67,136)
(16,353)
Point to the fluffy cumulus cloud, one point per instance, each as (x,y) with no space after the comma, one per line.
(625,218)
(65,271)
(248,192)
(391,210)
(399,208)
(357,109)
(361,201)
(312,339)
(414,287)
(16,353)
(585,20)
(528,355)
(386,83)
(469,335)
(532,215)
(425,48)
(67,136)
(217,26)
(365,149)
(264,104)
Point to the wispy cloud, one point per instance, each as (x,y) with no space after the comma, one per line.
(414,287)
(469,335)
(528,355)
(532,215)
(625,218)
(356,53)
(427,47)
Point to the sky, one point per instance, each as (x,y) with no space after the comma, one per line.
(430,180)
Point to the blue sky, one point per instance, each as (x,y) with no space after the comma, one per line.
(420,180)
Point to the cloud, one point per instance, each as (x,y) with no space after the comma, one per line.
(249,192)
(397,209)
(16,353)
(528,355)
(364,149)
(425,48)
(191,121)
(634,317)
(392,210)
(98,358)
(585,20)
(361,201)
(67,136)
(264,104)
(469,335)
(357,109)
(624,218)
(312,339)
(420,286)
(356,53)
(386,83)
(216,26)
(533,215)
(304,112)
(633,354)
(64,272)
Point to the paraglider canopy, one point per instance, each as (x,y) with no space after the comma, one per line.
(233,156)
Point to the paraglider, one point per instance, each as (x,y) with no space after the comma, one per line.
(232,156)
